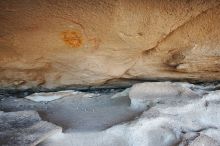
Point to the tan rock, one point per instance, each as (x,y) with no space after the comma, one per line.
(56,43)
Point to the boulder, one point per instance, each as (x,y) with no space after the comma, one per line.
(144,95)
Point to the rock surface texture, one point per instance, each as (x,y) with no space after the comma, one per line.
(48,43)
(24,128)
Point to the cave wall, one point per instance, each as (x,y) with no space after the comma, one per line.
(52,43)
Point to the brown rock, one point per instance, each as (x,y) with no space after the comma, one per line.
(56,43)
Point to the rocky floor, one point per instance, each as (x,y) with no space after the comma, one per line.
(147,114)
(24,128)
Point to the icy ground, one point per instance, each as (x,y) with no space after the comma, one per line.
(147,114)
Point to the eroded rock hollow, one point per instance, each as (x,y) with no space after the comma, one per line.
(52,43)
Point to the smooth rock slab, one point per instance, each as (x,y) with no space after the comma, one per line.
(24,128)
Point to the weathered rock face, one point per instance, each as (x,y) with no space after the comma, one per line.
(55,43)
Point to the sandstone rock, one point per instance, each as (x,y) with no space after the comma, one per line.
(24,128)
(58,43)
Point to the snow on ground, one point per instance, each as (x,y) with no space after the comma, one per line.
(154,114)
(50,96)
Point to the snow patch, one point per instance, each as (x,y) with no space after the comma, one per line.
(50,96)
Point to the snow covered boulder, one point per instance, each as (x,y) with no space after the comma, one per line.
(204,140)
(144,95)
(147,132)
